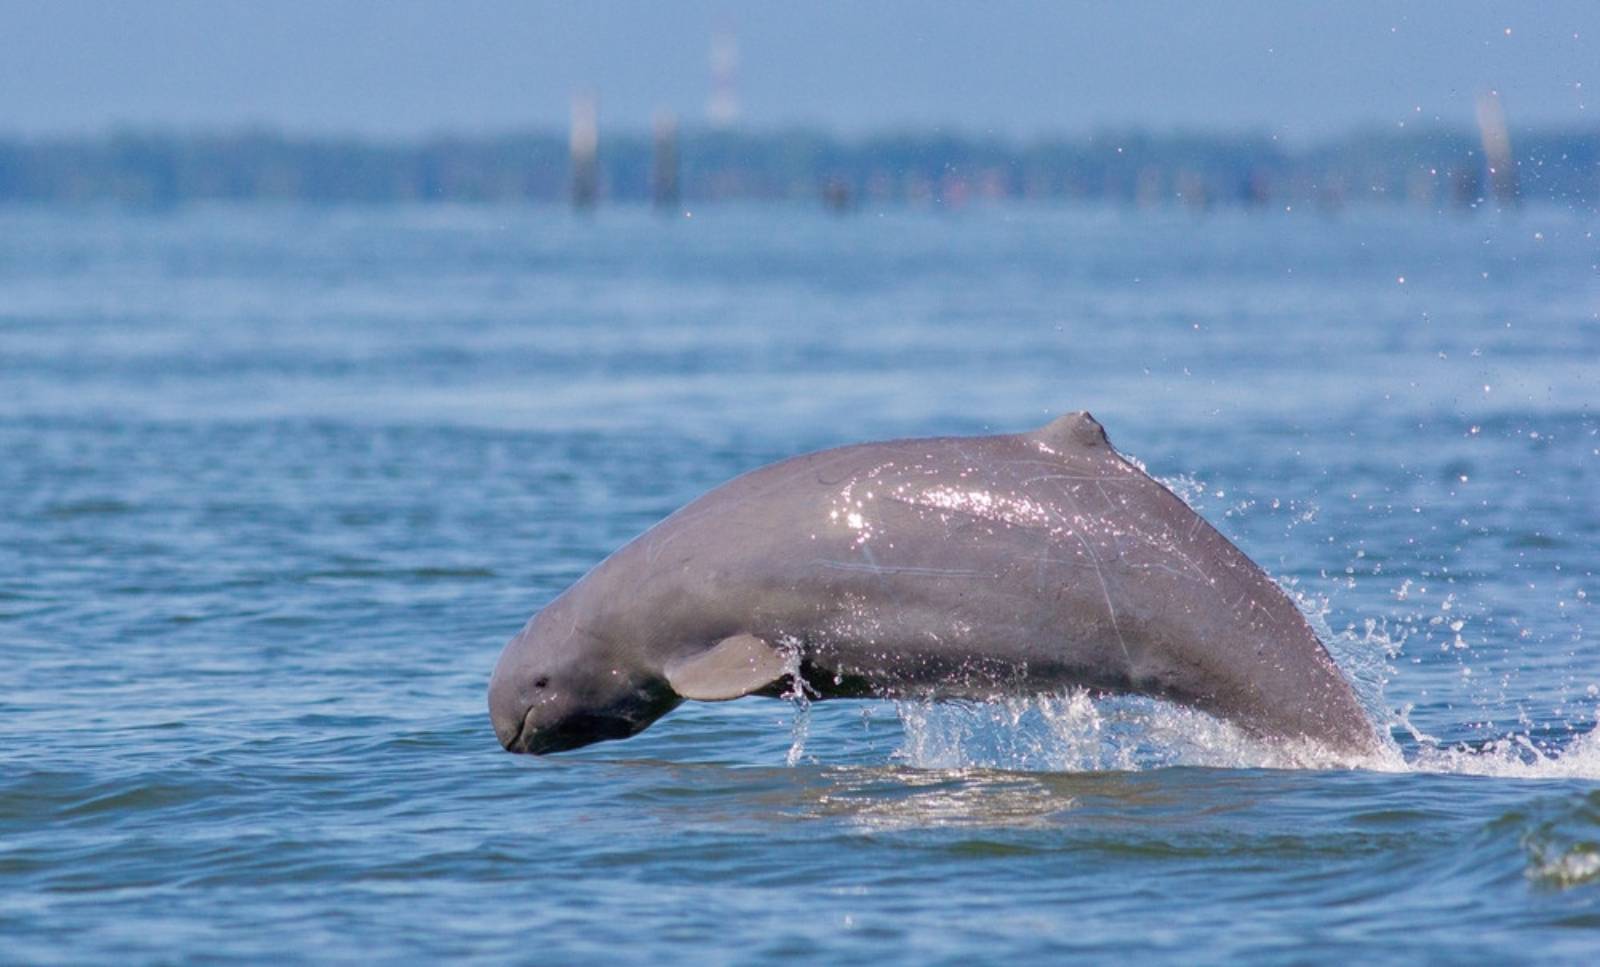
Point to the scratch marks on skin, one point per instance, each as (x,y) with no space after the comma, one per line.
(1164,543)
(1110,504)
(675,524)
(956,572)
(1198,577)
(1099,573)
(875,568)
(866,552)
(817,469)
(1040,478)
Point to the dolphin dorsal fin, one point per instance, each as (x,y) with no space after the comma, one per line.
(731,668)
(1076,429)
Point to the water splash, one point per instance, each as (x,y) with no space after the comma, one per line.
(1186,487)
(1366,654)
(1515,756)
(1075,731)
(799,729)
(799,695)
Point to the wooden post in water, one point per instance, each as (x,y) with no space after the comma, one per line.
(664,162)
(723,109)
(584,145)
(1496,137)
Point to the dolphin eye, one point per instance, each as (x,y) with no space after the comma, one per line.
(541,682)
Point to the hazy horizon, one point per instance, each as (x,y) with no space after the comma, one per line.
(411,70)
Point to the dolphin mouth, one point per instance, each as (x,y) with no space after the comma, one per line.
(574,733)
(512,742)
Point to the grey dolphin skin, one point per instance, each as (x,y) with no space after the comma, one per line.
(953,567)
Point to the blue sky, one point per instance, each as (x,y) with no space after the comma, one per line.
(410,68)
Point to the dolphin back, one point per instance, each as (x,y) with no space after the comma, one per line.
(1202,622)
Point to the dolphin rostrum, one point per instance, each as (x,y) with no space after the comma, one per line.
(952,567)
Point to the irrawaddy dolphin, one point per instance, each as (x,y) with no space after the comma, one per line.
(953,567)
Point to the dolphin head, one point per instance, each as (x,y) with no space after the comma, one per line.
(561,684)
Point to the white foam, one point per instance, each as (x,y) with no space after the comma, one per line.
(1514,757)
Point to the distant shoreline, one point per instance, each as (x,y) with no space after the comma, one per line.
(1436,168)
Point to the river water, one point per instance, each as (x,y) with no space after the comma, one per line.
(279,483)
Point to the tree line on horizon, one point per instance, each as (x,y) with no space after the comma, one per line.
(1438,168)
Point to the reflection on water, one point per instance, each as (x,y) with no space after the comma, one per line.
(913,800)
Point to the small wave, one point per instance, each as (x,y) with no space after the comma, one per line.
(1565,868)
(1561,840)
(90,507)
(434,573)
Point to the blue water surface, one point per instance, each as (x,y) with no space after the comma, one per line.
(279,483)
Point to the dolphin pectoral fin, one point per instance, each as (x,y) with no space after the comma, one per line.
(731,668)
